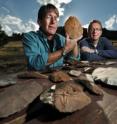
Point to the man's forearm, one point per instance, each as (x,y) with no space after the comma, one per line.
(75,51)
(91,56)
(108,53)
(53,57)
(87,49)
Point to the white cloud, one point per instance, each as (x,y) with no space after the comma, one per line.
(57,3)
(109,24)
(86,25)
(11,24)
(7,29)
(5,9)
(8,19)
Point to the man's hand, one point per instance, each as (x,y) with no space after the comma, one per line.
(88,50)
(70,44)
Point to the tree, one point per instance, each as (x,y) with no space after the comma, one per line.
(3,37)
(0,27)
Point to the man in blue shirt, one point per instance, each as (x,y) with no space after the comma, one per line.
(45,48)
(96,47)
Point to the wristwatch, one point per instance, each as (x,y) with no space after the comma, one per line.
(64,52)
(96,51)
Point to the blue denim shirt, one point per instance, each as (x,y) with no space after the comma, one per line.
(36,50)
(104,48)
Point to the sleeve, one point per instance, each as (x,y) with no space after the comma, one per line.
(91,56)
(37,59)
(88,56)
(109,51)
(83,43)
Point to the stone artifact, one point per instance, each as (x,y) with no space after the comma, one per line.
(59,76)
(7,80)
(82,64)
(65,97)
(106,75)
(31,74)
(88,70)
(17,97)
(88,82)
(75,73)
(73,27)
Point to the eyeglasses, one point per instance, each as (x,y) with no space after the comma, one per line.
(96,29)
(54,18)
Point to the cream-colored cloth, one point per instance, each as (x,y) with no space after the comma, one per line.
(106,75)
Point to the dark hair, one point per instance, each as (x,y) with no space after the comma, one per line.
(45,9)
(94,21)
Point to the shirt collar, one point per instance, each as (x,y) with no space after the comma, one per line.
(91,43)
(40,31)
(42,34)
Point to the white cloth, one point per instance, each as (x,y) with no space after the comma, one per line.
(106,75)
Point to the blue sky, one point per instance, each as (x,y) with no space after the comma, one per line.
(20,15)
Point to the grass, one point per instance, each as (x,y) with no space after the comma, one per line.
(12,57)
(13,48)
(114,42)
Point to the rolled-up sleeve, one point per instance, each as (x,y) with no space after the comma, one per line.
(109,50)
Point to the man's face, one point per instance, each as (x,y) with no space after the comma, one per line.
(95,31)
(49,23)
